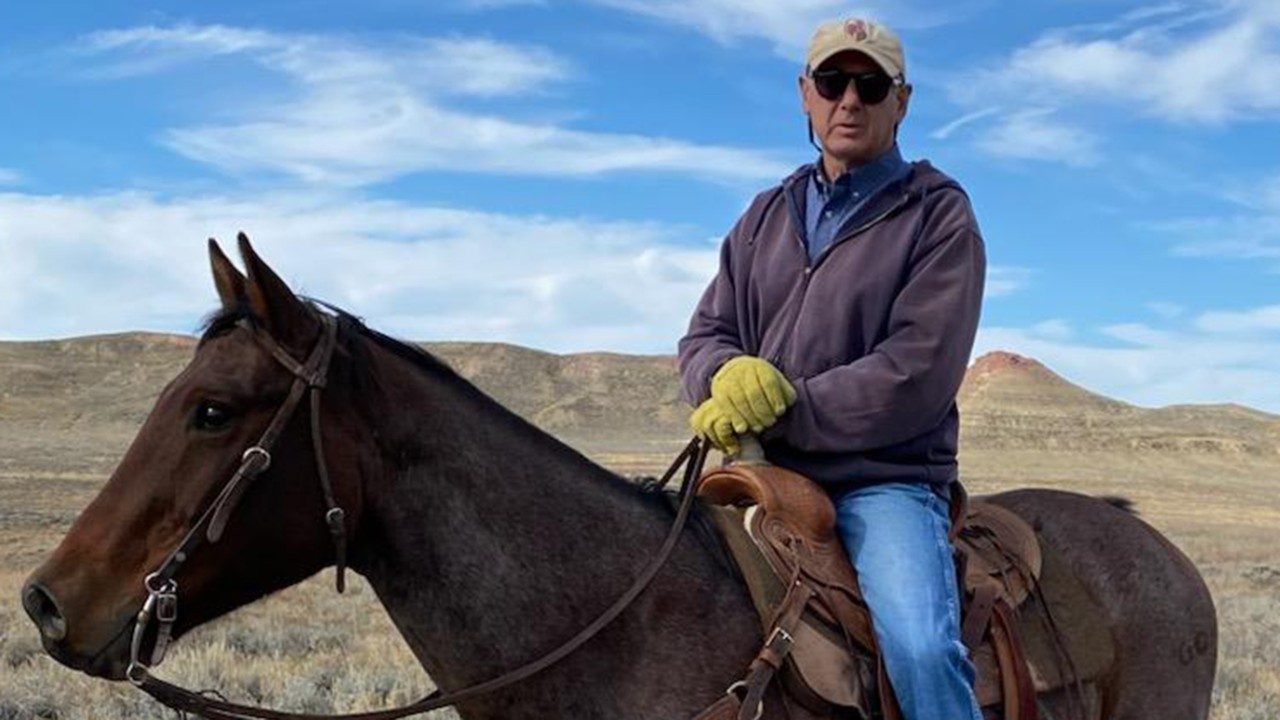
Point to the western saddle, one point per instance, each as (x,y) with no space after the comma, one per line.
(780,528)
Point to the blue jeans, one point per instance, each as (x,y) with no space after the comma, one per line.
(896,535)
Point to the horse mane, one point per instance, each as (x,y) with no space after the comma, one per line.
(224,320)
(1120,503)
(352,327)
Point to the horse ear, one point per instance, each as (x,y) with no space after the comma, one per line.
(286,318)
(228,280)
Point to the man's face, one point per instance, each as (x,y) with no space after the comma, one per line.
(850,130)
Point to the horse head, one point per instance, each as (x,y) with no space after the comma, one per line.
(159,501)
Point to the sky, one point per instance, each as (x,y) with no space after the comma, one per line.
(560,174)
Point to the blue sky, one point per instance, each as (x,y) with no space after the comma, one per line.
(560,174)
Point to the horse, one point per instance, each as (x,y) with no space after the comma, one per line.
(487,540)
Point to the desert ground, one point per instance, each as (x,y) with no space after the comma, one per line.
(1206,476)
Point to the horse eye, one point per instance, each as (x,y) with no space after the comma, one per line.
(211,416)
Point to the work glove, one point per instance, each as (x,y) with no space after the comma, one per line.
(753,388)
(719,423)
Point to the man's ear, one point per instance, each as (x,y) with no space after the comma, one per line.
(804,97)
(287,319)
(226,278)
(904,99)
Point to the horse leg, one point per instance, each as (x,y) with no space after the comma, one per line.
(1157,606)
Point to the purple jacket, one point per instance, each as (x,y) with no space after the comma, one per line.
(875,335)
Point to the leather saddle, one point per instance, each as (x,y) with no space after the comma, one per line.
(780,528)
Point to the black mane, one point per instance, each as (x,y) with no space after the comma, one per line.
(224,320)
(351,328)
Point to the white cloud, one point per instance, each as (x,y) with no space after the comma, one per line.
(1005,280)
(1199,67)
(448,65)
(389,136)
(1238,237)
(949,129)
(127,261)
(1156,367)
(1251,233)
(1269,195)
(1135,333)
(1256,194)
(1036,134)
(10,177)
(787,25)
(1204,63)
(1257,320)
(1054,329)
(77,265)
(363,113)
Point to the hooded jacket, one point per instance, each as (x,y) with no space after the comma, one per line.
(875,333)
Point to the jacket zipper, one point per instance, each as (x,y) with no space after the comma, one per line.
(776,360)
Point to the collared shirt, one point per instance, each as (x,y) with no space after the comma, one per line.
(828,205)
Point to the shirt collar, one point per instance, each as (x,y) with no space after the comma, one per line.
(884,166)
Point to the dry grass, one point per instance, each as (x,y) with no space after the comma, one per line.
(306,649)
(309,649)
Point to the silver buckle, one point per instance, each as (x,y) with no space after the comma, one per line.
(259,452)
(779,632)
(136,673)
(742,685)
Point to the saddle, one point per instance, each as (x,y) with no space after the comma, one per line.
(780,528)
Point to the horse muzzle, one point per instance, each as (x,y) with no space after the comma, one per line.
(108,660)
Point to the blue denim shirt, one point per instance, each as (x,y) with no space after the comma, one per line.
(828,205)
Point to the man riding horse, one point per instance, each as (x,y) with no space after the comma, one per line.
(838,329)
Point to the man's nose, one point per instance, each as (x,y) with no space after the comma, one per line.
(43,609)
(850,99)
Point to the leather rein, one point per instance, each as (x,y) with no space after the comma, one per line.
(161,605)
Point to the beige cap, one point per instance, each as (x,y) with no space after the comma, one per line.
(871,38)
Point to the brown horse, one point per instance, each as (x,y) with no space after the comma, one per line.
(489,542)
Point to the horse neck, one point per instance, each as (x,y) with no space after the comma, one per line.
(486,539)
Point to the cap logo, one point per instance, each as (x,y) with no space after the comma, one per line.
(856,29)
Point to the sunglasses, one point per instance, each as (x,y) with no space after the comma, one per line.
(872,87)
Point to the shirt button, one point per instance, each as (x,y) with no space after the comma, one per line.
(827,214)
(808,270)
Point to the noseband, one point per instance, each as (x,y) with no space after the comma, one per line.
(162,590)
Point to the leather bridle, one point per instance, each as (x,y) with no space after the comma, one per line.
(161,605)
(162,589)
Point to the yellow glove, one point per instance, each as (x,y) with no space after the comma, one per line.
(755,389)
(716,421)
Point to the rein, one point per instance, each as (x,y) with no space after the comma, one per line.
(161,605)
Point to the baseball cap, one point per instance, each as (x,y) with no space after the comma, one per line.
(871,38)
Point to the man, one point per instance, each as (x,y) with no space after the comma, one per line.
(838,328)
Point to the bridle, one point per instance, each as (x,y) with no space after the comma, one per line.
(161,605)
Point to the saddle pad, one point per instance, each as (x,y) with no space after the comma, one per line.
(999,546)
(1085,638)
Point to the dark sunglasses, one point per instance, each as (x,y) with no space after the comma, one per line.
(872,87)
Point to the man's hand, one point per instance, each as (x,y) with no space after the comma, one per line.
(753,388)
(719,423)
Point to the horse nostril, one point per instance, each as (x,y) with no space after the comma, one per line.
(42,608)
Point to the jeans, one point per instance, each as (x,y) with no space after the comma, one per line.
(896,535)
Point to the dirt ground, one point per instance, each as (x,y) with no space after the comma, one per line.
(311,650)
